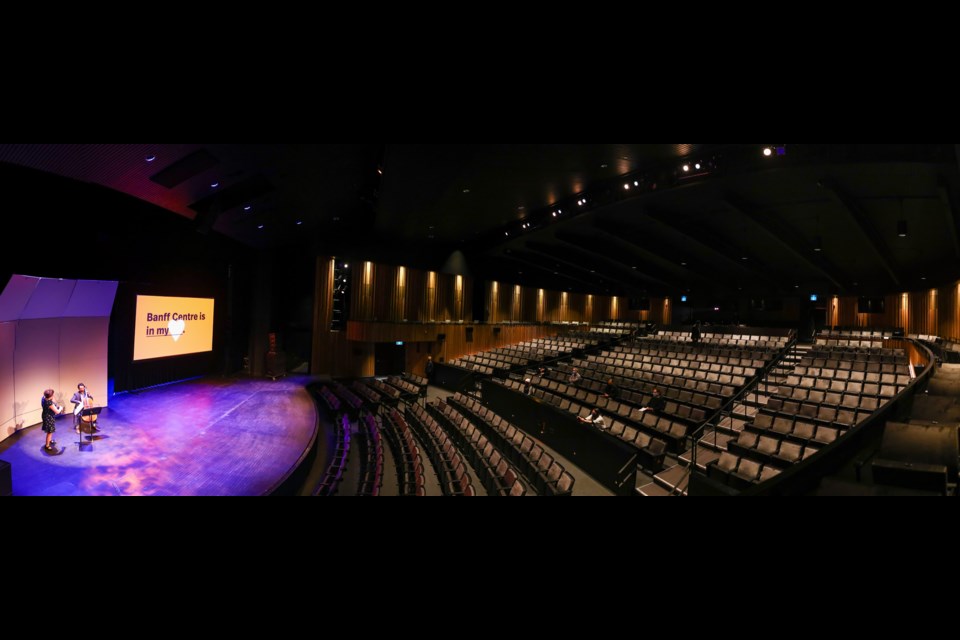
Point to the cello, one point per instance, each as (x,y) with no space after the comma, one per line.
(88,404)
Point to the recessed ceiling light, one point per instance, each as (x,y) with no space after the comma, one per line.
(214,185)
(260,227)
(150,158)
(627,186)
(466,190)
(683,264)
(767,152)
(247,208)
(336,218)
(604,166)
(299,222)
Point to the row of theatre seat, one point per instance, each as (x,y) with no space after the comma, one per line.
(371,397)
(406,454)
(405,387)
(538,467)
(497,475)
(798,421)
(338,464)
(689,406)
(347,396)
(727,339)
(744,357)
(371,456)
(450,467)
(643,431)
(329,399)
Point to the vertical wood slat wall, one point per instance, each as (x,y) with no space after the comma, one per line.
(332,354)
(933,312)
(513,303)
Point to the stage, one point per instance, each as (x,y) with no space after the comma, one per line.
(210,437)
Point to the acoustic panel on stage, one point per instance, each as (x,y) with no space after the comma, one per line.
(83,357)
(53,334)
(168,327)
(49,300)
(15,297)
(8,409)
(91,299)
(36,366)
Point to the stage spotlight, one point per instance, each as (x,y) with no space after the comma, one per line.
(554,214)
(627,186)
(683,298)
(902,228)
(767,152)
(697,166)
(686,168)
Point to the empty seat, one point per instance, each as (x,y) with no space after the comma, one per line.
(767,473)
(790,452)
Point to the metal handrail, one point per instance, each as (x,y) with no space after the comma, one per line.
(725,409)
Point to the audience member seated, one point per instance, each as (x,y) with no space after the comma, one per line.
(611,391)
(656,404)
(595,419)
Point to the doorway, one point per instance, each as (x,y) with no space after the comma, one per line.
(390,359)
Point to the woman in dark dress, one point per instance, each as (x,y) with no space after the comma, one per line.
(50,411)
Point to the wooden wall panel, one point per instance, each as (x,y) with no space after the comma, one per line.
(948,314)
(930,312)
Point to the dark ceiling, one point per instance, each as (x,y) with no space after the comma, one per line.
(742,222)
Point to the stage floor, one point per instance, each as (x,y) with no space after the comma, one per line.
(209,437)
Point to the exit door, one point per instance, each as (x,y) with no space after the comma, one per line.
(390,359)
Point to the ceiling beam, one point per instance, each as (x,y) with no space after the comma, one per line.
(616,252)
(788,237)
(529,264)
(874,239)
(714,245)
(636,242)
(950,212)
(583,264)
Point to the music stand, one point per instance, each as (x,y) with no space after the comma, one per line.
(92,411)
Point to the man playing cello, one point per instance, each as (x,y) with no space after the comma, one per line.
(83,400)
